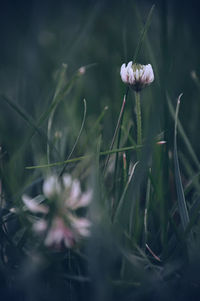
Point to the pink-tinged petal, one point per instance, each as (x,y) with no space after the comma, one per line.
(131,78)
(81,226)
(123,73)
(130,64)
(83,201)
(59,233)
(33,206)
(75,189)
(51,186)
(161,142)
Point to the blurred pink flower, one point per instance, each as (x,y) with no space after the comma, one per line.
(63,225)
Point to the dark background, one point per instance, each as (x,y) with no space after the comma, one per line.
(36,37)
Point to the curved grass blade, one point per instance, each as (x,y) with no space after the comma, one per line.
(124,193)
(148,193)
(60,83)
(194,216)
(77,139)
(116,129)
(101,116)
(183,134)
(179,187)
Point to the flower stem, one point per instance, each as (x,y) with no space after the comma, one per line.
(139,119)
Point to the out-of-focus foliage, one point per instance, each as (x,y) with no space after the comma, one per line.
(138,249)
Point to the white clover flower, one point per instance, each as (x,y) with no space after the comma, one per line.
(63,225)
(136,75)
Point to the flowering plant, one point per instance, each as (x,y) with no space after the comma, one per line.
(58,204)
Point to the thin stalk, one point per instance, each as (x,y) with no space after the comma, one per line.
(116,130)
(139,118)
(105,153)
(77,139)
(118,144)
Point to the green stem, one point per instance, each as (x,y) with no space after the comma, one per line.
(139,119)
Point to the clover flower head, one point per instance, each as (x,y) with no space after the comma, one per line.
(60,221)
(137,76)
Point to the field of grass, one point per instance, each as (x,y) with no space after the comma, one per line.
(92,208)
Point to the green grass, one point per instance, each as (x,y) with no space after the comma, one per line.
(144,241)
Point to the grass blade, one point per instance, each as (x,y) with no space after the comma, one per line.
(179,187)
(183,134)
(124,193)
(27,118)
(116,129)
(77,139)
(143,33)
(21,112)
(60,83)
(105,153)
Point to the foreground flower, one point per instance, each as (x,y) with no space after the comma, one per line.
(136,75)
(60,221)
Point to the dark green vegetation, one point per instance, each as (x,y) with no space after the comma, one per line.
(144,243)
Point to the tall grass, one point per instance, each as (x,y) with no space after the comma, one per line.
(78,118)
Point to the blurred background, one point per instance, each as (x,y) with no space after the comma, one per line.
(36,39)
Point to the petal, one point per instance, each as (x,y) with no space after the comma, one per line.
(123,73)
(131,78)
(33,206)
(67,181)
(81,225)
(75,189)
(84,200)
(51,186)
(130,64)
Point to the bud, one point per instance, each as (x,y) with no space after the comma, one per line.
(82,70)
(136,75)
